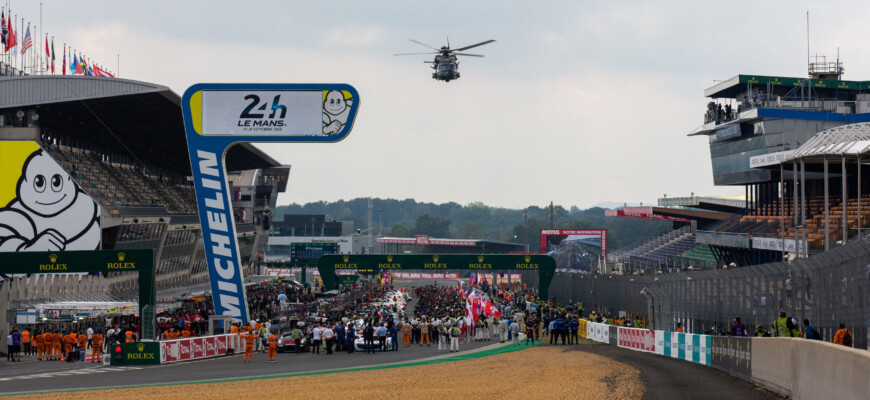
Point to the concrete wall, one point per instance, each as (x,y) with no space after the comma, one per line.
(810,369)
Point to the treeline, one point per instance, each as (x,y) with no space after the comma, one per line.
(406,218)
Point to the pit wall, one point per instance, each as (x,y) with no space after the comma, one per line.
(794,367)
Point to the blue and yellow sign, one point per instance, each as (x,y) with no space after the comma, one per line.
(218,116)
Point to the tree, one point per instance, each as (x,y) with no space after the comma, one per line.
(399,230)
(470,230)
(432,226)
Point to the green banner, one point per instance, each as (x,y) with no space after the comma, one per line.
(136,353)
(373,263)
(347,279)
(760,80)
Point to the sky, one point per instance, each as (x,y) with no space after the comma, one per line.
(578,102)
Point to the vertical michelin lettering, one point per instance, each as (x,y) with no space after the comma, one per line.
(216,203)
(228,287)
(211,184)
(231,305)
(225,273)
(221,245)
(216,220)
(208,163)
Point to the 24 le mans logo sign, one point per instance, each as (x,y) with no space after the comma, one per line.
(218,116)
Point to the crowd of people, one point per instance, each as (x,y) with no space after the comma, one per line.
(66,345)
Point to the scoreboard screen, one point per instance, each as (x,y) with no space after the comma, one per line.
(311,252)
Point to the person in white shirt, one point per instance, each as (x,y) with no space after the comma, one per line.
(329,338)
(316,339)
(90,335)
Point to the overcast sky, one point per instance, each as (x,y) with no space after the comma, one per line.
(577,102)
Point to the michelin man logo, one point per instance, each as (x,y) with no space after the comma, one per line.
(336,108)
(50,212)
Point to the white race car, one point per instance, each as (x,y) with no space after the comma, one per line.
(359,343)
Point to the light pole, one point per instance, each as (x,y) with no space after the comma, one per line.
(380,222)
(526,229)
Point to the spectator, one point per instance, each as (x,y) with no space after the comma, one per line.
(737,328)
(843,336)
(810,332)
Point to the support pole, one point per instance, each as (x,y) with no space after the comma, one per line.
(804,208)
(782,206)
(845,204)
(795,196)
(860,221)
(827,207)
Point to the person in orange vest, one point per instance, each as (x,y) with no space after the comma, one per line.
(48,336)
(58,346)
(97,346)
(273,346)
(406,334)
(25,342)
(39,340)
(843,336)
(185,333)
(249,346)
(69,341)
(83,344)
(234,339)
(129,335)
(680,327)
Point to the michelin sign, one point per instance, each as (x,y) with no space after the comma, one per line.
(218,116)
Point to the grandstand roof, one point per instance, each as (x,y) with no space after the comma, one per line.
(134,118)
(852,139)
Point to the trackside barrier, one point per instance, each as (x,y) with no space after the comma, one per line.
(685,346)
(582,328)
(637,339)
(193,348)
(810,369)
(733,355)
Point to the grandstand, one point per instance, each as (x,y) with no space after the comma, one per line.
(123,143)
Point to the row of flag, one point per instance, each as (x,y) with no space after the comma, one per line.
(478,304)
(477,278)
(78,65)
(385,278)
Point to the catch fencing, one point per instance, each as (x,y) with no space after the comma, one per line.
(828,289)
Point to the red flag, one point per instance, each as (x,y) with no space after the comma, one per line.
(10,35)
(47,53)
(63,65)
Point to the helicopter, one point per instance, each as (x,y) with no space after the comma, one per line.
(445,64)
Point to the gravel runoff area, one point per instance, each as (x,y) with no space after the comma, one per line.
(540,372)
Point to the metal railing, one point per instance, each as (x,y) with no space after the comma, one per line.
(828,289)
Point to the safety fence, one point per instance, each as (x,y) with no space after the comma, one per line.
(793,367)
(827,289)
(195,348)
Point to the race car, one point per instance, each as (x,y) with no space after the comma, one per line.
(287,344)
(359,343)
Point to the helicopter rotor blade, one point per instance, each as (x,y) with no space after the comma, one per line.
(474,45)
(423,44)
(413,54)
(467,54)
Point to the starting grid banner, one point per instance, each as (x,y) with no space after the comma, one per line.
(193,348)
(425,275)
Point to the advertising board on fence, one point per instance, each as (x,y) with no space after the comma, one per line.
(733,355)
(582,328)
(637,339)
(426,275)
(598,332)
(193,348)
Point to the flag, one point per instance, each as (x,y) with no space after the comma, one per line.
(78,66)
(52,55)
(47,53)
(28,41)
(11,42)
(3,29)
(63,63)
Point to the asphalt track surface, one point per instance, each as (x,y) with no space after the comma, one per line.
(670,378)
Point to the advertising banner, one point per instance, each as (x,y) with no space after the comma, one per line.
(598,332)
(660,343)
(582,328)
(613,336)
(637,339)
(732,355)
(427,275)
(193,348)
